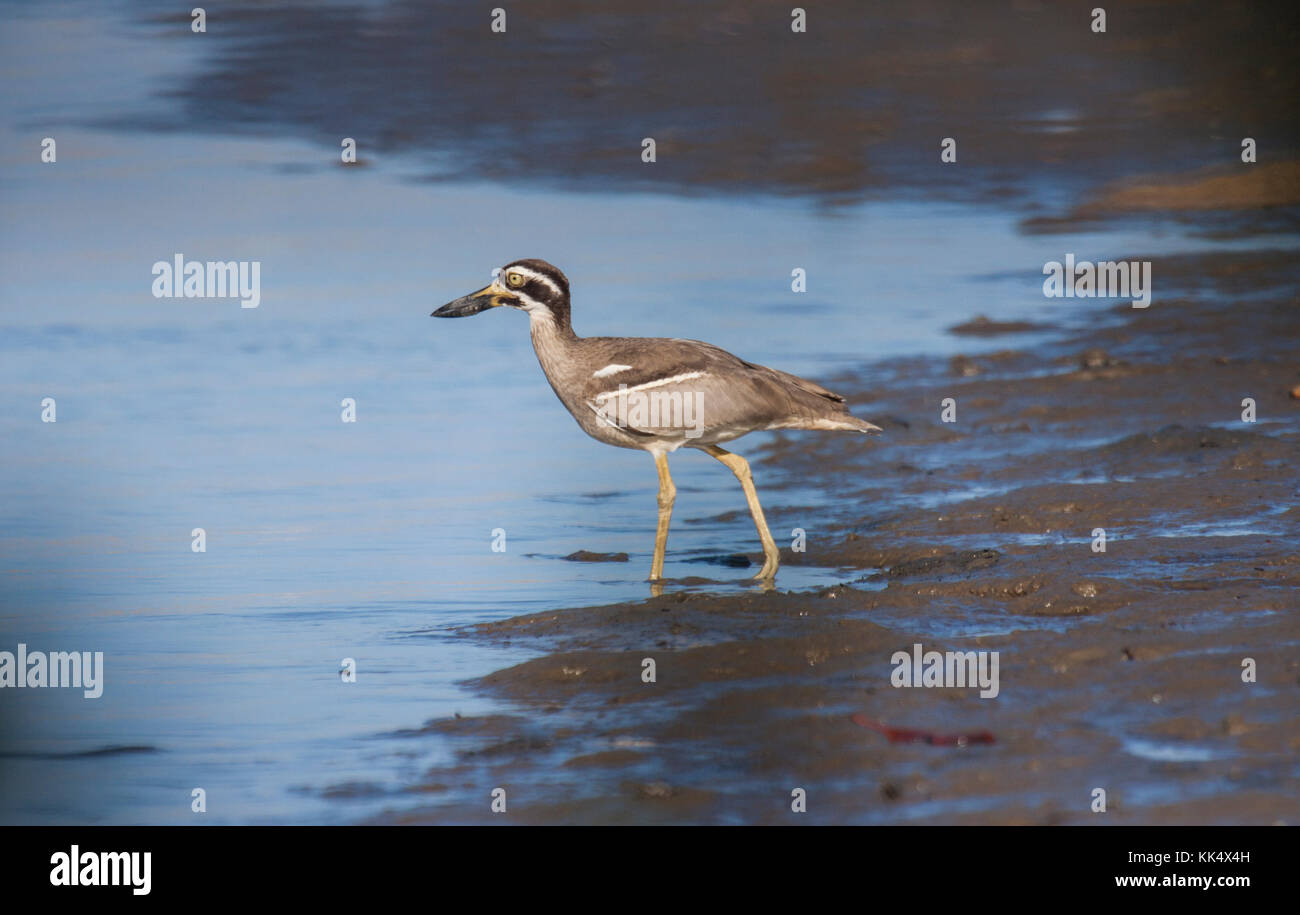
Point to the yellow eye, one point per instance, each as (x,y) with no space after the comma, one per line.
(515,279)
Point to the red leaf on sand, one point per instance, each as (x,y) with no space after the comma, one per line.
(909,735)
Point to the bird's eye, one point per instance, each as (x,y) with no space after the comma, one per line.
(515,279)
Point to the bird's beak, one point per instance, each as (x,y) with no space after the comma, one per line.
(472,304)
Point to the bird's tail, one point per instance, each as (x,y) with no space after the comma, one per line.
(853,424)
(844,422)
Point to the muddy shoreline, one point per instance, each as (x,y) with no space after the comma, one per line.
(852,108)
(1119,670)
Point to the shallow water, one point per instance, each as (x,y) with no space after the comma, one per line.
(370,540)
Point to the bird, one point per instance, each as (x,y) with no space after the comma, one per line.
(658,394)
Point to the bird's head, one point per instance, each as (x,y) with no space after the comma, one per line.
(530,285)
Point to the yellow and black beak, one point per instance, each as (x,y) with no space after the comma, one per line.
(472,304)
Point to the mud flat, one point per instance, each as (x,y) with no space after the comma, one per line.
(1120,671)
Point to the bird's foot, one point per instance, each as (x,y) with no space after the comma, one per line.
(771,562)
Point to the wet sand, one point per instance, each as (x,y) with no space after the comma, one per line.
(1118,670)
(853,108)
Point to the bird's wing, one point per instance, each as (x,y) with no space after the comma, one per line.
(802,384)
(717,389)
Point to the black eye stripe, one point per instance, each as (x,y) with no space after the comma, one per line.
(536,290)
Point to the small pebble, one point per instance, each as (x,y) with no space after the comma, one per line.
(1085,589)
(1095,359)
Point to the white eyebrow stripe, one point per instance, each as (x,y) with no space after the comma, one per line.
(540,277)
(612,369)
(658,382)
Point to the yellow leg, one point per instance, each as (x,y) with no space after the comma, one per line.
(740,467)
(667,493)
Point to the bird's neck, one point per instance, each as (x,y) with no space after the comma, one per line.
(553,340)
(554,329)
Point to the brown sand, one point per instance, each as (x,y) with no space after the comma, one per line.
(1234,201)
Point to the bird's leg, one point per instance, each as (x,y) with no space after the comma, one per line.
(667,493)
(740,467)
